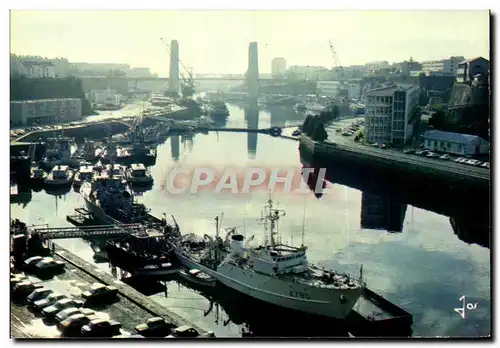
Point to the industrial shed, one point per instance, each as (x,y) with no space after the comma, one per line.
(455,143)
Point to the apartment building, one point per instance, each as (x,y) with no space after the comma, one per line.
(389,115)
(472,67)
(278,67)
(445,66)
(38,67)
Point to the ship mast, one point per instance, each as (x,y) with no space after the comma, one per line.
(273,215)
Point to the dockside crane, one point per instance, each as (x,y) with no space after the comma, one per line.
(337,65)
(187,83)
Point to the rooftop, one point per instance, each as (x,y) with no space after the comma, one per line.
(449,136)
(473,59)
(30,64)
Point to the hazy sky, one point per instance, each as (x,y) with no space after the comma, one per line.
(217,41)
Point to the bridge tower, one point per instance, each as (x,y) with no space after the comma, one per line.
(173,79)
(253,71)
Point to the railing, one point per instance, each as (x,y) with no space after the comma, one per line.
(79,232)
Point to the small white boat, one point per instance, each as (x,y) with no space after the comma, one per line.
(60,175)
(114,171)
(85,173)
(137,174)
(156,270)
(198,277)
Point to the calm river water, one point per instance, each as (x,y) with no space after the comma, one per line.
(424,268)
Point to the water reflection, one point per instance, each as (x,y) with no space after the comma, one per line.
(382,213)
(387,211)
(174,147)
(252,118)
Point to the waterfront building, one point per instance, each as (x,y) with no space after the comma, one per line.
(391,113)
(455,143)
(278,67)
(45,111)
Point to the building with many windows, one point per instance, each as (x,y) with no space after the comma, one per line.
(390,113)
(38,69)
(445,66)
(455,143)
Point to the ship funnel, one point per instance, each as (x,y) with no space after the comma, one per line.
(237,244)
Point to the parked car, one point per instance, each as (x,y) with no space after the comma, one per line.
(68,312)
(473,162)
(461,160)
(156,326)
(51,311)
(296,133)
(445,157)
(184,331)
(101,328)
(24,288)
(48,301)
(409,151)
(421,153)
(29,264)
(100,292)
(48,264)
(39,294)
(382,146)
(486,165)
(73,325)
(432,155)
(135,336)
(16,280)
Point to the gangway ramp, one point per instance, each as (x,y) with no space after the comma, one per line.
(90,231)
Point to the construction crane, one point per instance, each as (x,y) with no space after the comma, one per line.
(187,84)
(338,67)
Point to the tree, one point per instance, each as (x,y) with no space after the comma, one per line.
(320,133)
(306,126)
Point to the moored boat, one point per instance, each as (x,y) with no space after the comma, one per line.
(59,176)
(85,173)
(114,171)
(155,269)
(198,277)
(273,272)
(137,174)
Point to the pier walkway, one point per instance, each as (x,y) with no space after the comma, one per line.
(90,231)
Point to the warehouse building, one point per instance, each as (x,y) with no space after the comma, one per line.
(455,143)
(45,111)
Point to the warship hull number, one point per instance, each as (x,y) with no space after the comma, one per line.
(302,295)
